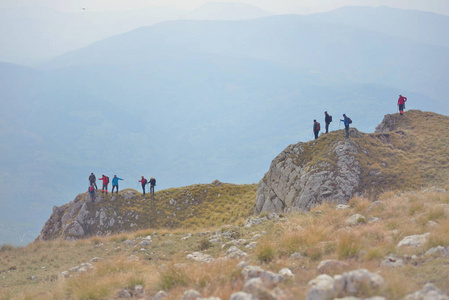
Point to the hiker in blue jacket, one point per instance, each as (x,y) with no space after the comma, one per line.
(346,120)
(115,183)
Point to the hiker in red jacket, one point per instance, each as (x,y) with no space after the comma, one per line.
(401,104)
(105,180)
(144,183)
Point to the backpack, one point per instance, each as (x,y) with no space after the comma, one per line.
(330,119)
(349,120)
(318,127)
(91,189)
(107,179)
(145,181)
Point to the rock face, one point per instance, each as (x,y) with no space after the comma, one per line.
(294,183)
(334,169)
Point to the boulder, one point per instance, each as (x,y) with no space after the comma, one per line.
(429,292)
(201,257)
(321,288)
(355,220)
(191,295)
(332,266)
(414,240)
(242,296)
(353,282)
(235,253)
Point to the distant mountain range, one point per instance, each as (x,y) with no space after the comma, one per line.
(195,100)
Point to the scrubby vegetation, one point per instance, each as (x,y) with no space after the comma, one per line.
(34,272)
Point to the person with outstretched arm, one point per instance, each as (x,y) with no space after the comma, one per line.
(143,181)
(92,180)
(115,184)
(152,185)
(105,180)
(346,120)
(401,104)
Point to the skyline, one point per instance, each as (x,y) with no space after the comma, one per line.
(272,6)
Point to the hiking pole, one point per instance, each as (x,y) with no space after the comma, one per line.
(339,124)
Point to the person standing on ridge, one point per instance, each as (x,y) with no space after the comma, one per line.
(316,128)
(152,185)
(401,104)
(327,120)
(346,120)
(92,192)
(105,180)
(143,181)
(92,180)
(115,183)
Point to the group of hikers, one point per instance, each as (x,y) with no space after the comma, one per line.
(105,179)
(347,121)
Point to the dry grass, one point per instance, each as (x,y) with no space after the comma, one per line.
(321,234)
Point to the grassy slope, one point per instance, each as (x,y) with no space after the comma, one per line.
(196,206)
(414,155)
(321,234)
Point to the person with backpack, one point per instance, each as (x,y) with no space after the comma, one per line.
(346,120)
(327,120)
(143,181)
(92,192)
(401,104)
(115,184)
(105,180)
(316,128)
(92,180)
(152,185)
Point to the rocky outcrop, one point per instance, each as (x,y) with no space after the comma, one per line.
(83,217)
(296,182)
(334,169)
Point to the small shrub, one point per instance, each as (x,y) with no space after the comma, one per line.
(171,278)
(265,252)
(7,247)
(204,244)
(348,246)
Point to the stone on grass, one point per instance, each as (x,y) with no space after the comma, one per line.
(392,261)
(321,288)
(201,257)
(332,266)
(242,296)
(352,282)
(286,272)
(355,220)
(235,253)
(191,295)
(251,245)
(437,251)
(342,206)
(123,293)
(429,292)
(159,295)
(414,240)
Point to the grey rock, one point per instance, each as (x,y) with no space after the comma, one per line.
(95,259)
(191,295)
(355,220)
(392,261)
(251,245)
(437,251)
(291,184)
(159,295)
(374,205)
(201,257)
(124,294)
(429,292)
(342,206)
(321,288)
(235,253)
(268,277)
(331,266)
(130,242)
(352,282)
(414,240)
(145,243)
(286,272)
(242,296)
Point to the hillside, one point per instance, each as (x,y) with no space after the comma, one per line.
(197,100)
(394,248)
(197,206)
(405,153)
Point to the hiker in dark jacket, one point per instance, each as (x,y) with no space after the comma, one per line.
(115,184)
(346,122)
(316,128)
(92,180)
(327,120)
(143,181)
(401,104)
(105,180)
(152,184)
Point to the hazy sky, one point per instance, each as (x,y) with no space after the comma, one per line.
(274,6)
